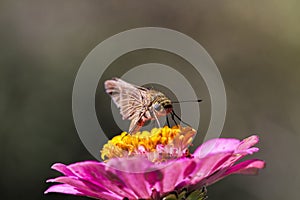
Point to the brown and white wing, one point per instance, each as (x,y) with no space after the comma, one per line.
(130,99)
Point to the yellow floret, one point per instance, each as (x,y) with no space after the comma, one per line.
(147,142)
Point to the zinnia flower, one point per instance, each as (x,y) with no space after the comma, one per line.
(156,165)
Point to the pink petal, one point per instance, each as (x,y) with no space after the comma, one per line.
(248,142)
(227,144)
(62,169)
(85,188)
(216,145)
(250,167)
(98,174)
(132,171)
(65,189)
(137,164)
(209,165)
(175,173)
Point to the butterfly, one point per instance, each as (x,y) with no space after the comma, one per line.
(137,103)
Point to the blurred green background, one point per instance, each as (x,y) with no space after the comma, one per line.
(255,44)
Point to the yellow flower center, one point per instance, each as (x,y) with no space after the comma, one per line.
(158,144)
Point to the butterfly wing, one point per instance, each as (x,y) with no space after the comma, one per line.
(130,99)
(136,124)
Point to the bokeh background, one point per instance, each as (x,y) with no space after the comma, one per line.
(255,44)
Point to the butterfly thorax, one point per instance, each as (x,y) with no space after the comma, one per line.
(160,104)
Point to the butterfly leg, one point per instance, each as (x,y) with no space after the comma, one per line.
(156,118)
(172,115)
(167,119)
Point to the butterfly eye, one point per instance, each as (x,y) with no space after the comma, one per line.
(158,107)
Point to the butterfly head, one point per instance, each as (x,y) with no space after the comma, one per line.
(164,105)
(168,107)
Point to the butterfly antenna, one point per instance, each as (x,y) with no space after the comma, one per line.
(174,114)
(196,101)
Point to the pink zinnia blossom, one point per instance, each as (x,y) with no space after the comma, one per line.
(137,177)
